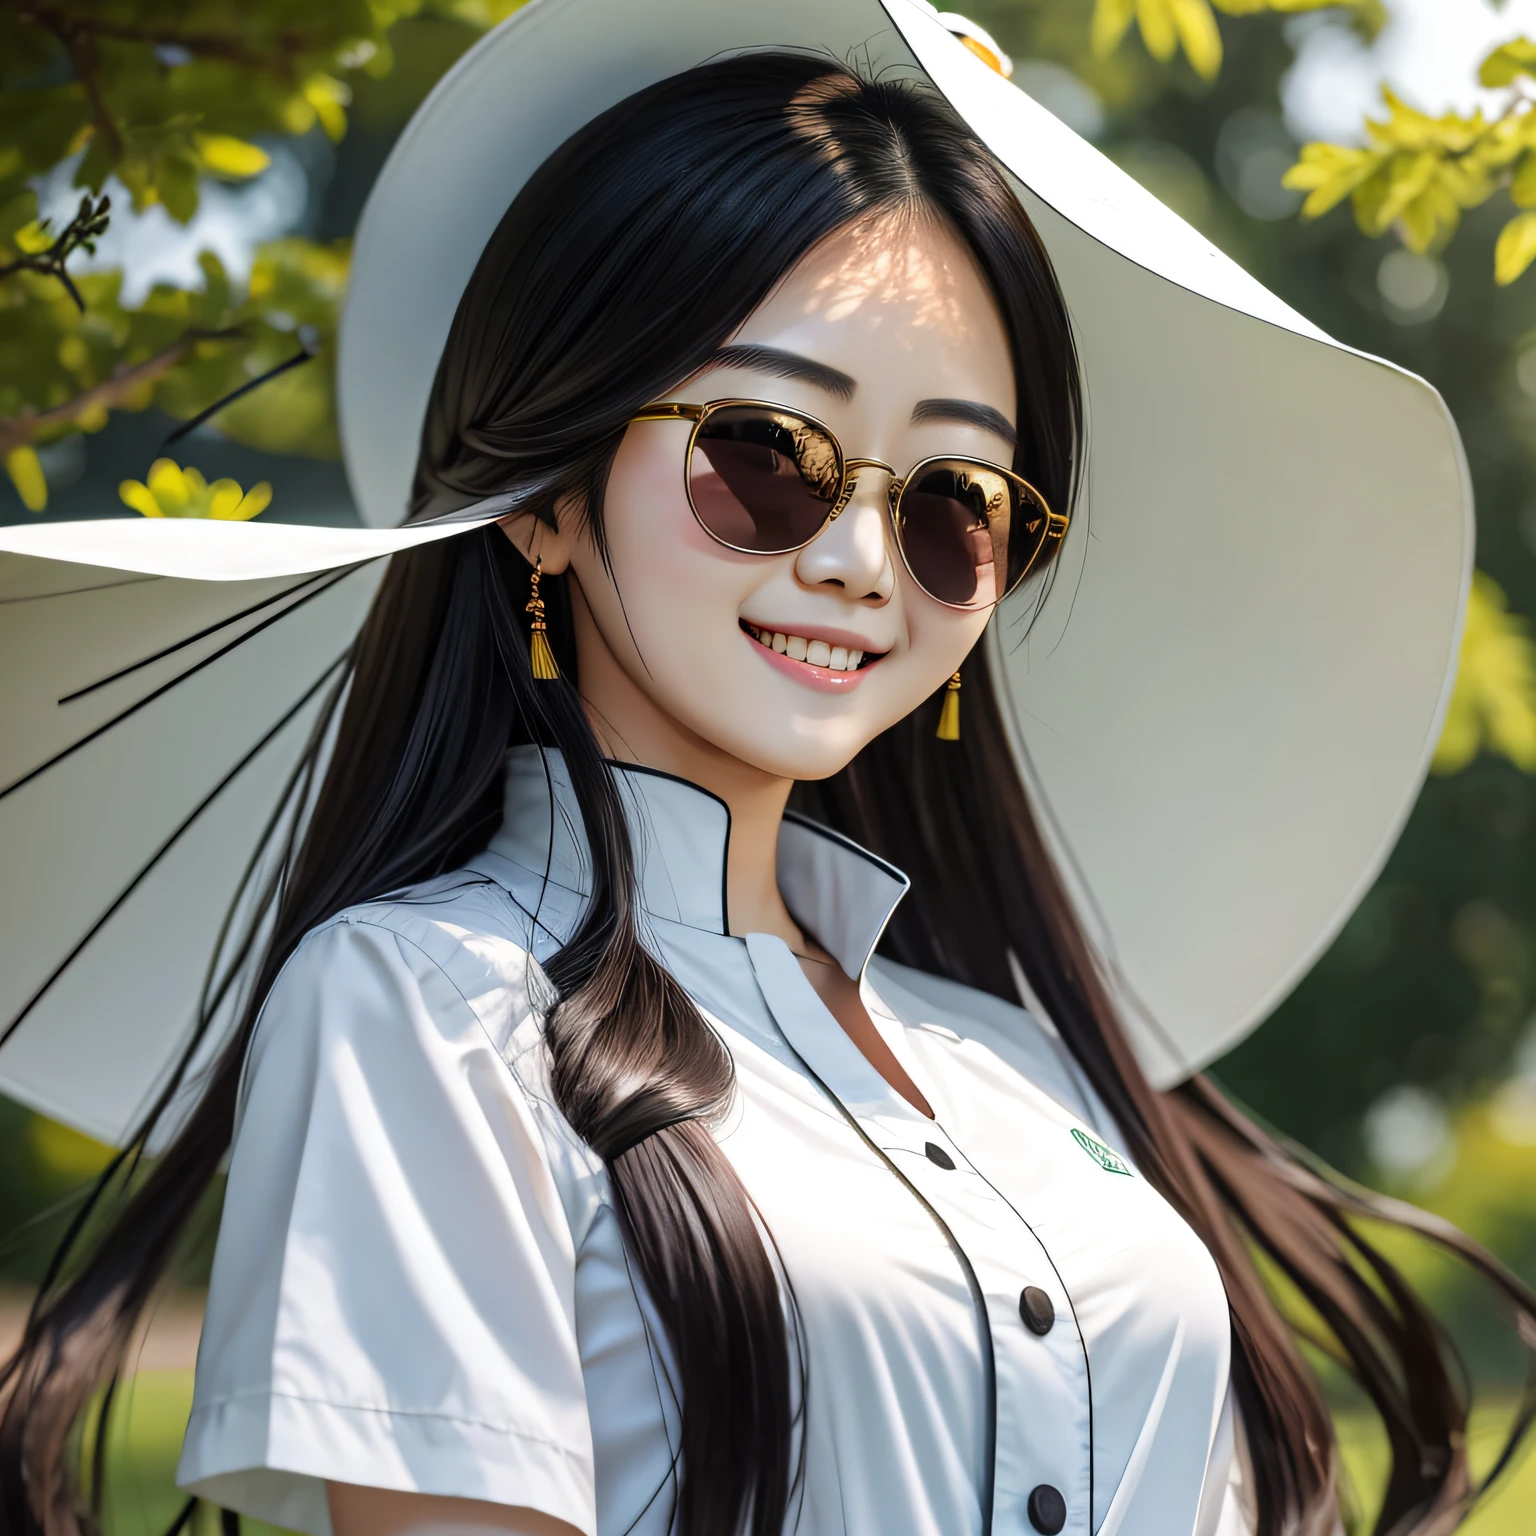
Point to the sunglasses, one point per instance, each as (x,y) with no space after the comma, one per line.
(766,480)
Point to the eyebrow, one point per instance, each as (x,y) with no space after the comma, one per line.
(972,412)
(785,365)
(841,386)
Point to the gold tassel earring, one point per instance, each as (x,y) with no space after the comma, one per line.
(540,657)
(949,715)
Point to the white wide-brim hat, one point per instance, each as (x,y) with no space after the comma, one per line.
(1223,714)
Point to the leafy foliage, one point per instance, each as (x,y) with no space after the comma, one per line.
(1168,26)
(63,369)
(1493,705)
(160,97)
(1417,173)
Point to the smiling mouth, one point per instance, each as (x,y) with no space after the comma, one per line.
(815,653)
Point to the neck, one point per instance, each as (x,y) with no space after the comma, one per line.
(633,729)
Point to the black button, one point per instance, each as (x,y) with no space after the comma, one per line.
(1047,1510)
(937,1155)
(1037,1310)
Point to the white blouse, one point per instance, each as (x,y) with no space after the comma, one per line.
(420,1283)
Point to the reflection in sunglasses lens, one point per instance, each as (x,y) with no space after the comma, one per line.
(955,518)
(765,480)
(762,481)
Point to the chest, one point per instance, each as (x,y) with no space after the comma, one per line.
(991,1303)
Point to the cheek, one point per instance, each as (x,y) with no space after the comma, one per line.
(938,639)
(647,518)
(645,505)
(672,584)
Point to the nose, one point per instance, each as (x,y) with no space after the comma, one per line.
(852,552)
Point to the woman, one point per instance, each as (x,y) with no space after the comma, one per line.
(634,1125)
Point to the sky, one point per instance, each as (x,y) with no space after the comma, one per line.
(1428,52)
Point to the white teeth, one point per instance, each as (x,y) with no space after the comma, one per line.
(818,653)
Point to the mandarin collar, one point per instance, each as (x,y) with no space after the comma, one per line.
(841,893)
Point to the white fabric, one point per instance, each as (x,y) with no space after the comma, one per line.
(420,1283)
(198,549)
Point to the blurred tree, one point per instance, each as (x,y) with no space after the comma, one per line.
(1493,707)
(1168,27)
(1417,174)
(152,99)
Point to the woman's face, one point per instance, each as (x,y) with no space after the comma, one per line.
(888,334)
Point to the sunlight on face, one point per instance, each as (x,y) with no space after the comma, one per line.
(894,269)
(792,662)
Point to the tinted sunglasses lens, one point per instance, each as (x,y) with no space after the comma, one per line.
(957,519)
(762,480)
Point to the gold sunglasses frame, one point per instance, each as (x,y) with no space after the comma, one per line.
(1056,523)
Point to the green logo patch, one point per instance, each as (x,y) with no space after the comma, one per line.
(1109,1161)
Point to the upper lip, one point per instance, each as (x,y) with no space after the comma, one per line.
(843,637)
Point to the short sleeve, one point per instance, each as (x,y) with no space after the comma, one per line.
(392,1300)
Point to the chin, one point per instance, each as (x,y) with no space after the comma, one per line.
(801,753)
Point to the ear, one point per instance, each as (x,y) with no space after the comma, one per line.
(536,540)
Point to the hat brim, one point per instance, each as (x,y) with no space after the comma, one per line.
(1223,711)
(1228,704)
(161,680)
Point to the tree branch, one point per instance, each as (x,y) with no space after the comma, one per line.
(71,30)
(81,233)
(18,431)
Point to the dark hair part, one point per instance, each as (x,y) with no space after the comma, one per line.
(628,259)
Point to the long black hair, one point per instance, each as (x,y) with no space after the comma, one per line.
(628,259)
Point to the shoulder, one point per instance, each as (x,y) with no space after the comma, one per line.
(458,939)
(448,960)
(427,1003)
(986,1033)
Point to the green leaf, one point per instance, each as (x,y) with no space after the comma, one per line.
(1508,62)
(1329,173)
(1516,248)
(328,98)
(1407,176)
(1430,218)
(1406,128)
(225,155)
(1493,703)
(26,472)
(176,184)
(1111,21)
(1199,36)
(1522,189)
(1154,18)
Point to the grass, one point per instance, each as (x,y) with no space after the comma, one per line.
(142,1498)
(143,1446)
(1510,1510)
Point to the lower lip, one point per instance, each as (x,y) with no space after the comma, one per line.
(822,678)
